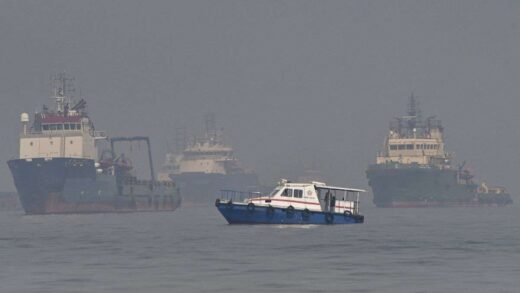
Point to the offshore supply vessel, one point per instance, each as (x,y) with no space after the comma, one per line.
(201,167)
(60,170)
(414,170)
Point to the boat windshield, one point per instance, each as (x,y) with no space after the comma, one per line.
(274,192)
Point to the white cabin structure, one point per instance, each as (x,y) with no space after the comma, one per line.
(313,196)
(66,132)
(412,140)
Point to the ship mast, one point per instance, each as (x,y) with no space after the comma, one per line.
(413,106)
(414,118)
(181,139)
(211,129)
(63,91)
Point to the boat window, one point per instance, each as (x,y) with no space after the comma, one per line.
(298,193)
(409,146)
(53,126)
(274,192)
(60,126)
(67,126)
(401,147)
(45,127)
(78,126)
(393,147)
(287,192)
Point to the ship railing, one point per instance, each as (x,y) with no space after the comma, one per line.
(134,181)
(100,134)
(43,133)
(227,195)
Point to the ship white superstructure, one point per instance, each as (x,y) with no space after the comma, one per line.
(66,132)
(207,155)
(412,140)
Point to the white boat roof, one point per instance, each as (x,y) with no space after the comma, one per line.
(324,186)
(340,188)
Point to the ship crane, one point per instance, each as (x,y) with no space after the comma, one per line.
(113,140)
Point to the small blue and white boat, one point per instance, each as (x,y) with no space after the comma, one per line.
(293,203)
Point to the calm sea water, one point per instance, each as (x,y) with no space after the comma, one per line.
(194,250)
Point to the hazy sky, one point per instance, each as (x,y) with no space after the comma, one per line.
(288,80)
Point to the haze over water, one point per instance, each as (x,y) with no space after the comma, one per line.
(194,250)
(288,80)
(293,83)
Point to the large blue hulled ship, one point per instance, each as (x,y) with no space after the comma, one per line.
(59,169)
(292,203)
(414,170)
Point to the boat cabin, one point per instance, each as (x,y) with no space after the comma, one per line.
(314,196)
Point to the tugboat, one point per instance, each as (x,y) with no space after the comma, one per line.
(414,170)
(60,171)
(292,203)
(204,166)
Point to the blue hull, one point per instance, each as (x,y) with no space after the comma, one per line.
(242,214)
(67,185)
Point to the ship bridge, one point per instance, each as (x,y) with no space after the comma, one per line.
(412,139)
(66,131)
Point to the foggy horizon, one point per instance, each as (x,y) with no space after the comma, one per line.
(290,82)
(295,85)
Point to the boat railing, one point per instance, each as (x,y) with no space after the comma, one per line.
(355,208)
(237,196)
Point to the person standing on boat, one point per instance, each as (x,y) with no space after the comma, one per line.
(330,201)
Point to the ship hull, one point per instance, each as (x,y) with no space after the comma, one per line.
(201,188)
(243,214)
(395,185)
(66,185)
